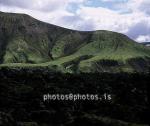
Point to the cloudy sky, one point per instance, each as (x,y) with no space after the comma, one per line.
(131,17)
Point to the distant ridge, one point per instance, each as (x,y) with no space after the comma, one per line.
(146,43)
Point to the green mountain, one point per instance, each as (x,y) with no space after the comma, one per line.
(27,42)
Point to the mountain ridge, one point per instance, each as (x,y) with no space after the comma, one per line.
(26,40)
(146,44)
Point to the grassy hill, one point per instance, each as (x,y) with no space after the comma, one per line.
(27,42)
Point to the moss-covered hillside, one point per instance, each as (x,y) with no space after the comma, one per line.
(27,42)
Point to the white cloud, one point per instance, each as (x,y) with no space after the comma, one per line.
(107,19)
(135,6)
(131,18)
(143,38)
(145,6)
(50,17)
(103,18)
(113,0)
(41,5)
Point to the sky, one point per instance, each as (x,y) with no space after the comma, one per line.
(130,17)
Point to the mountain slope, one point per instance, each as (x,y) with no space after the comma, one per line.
(30,42)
